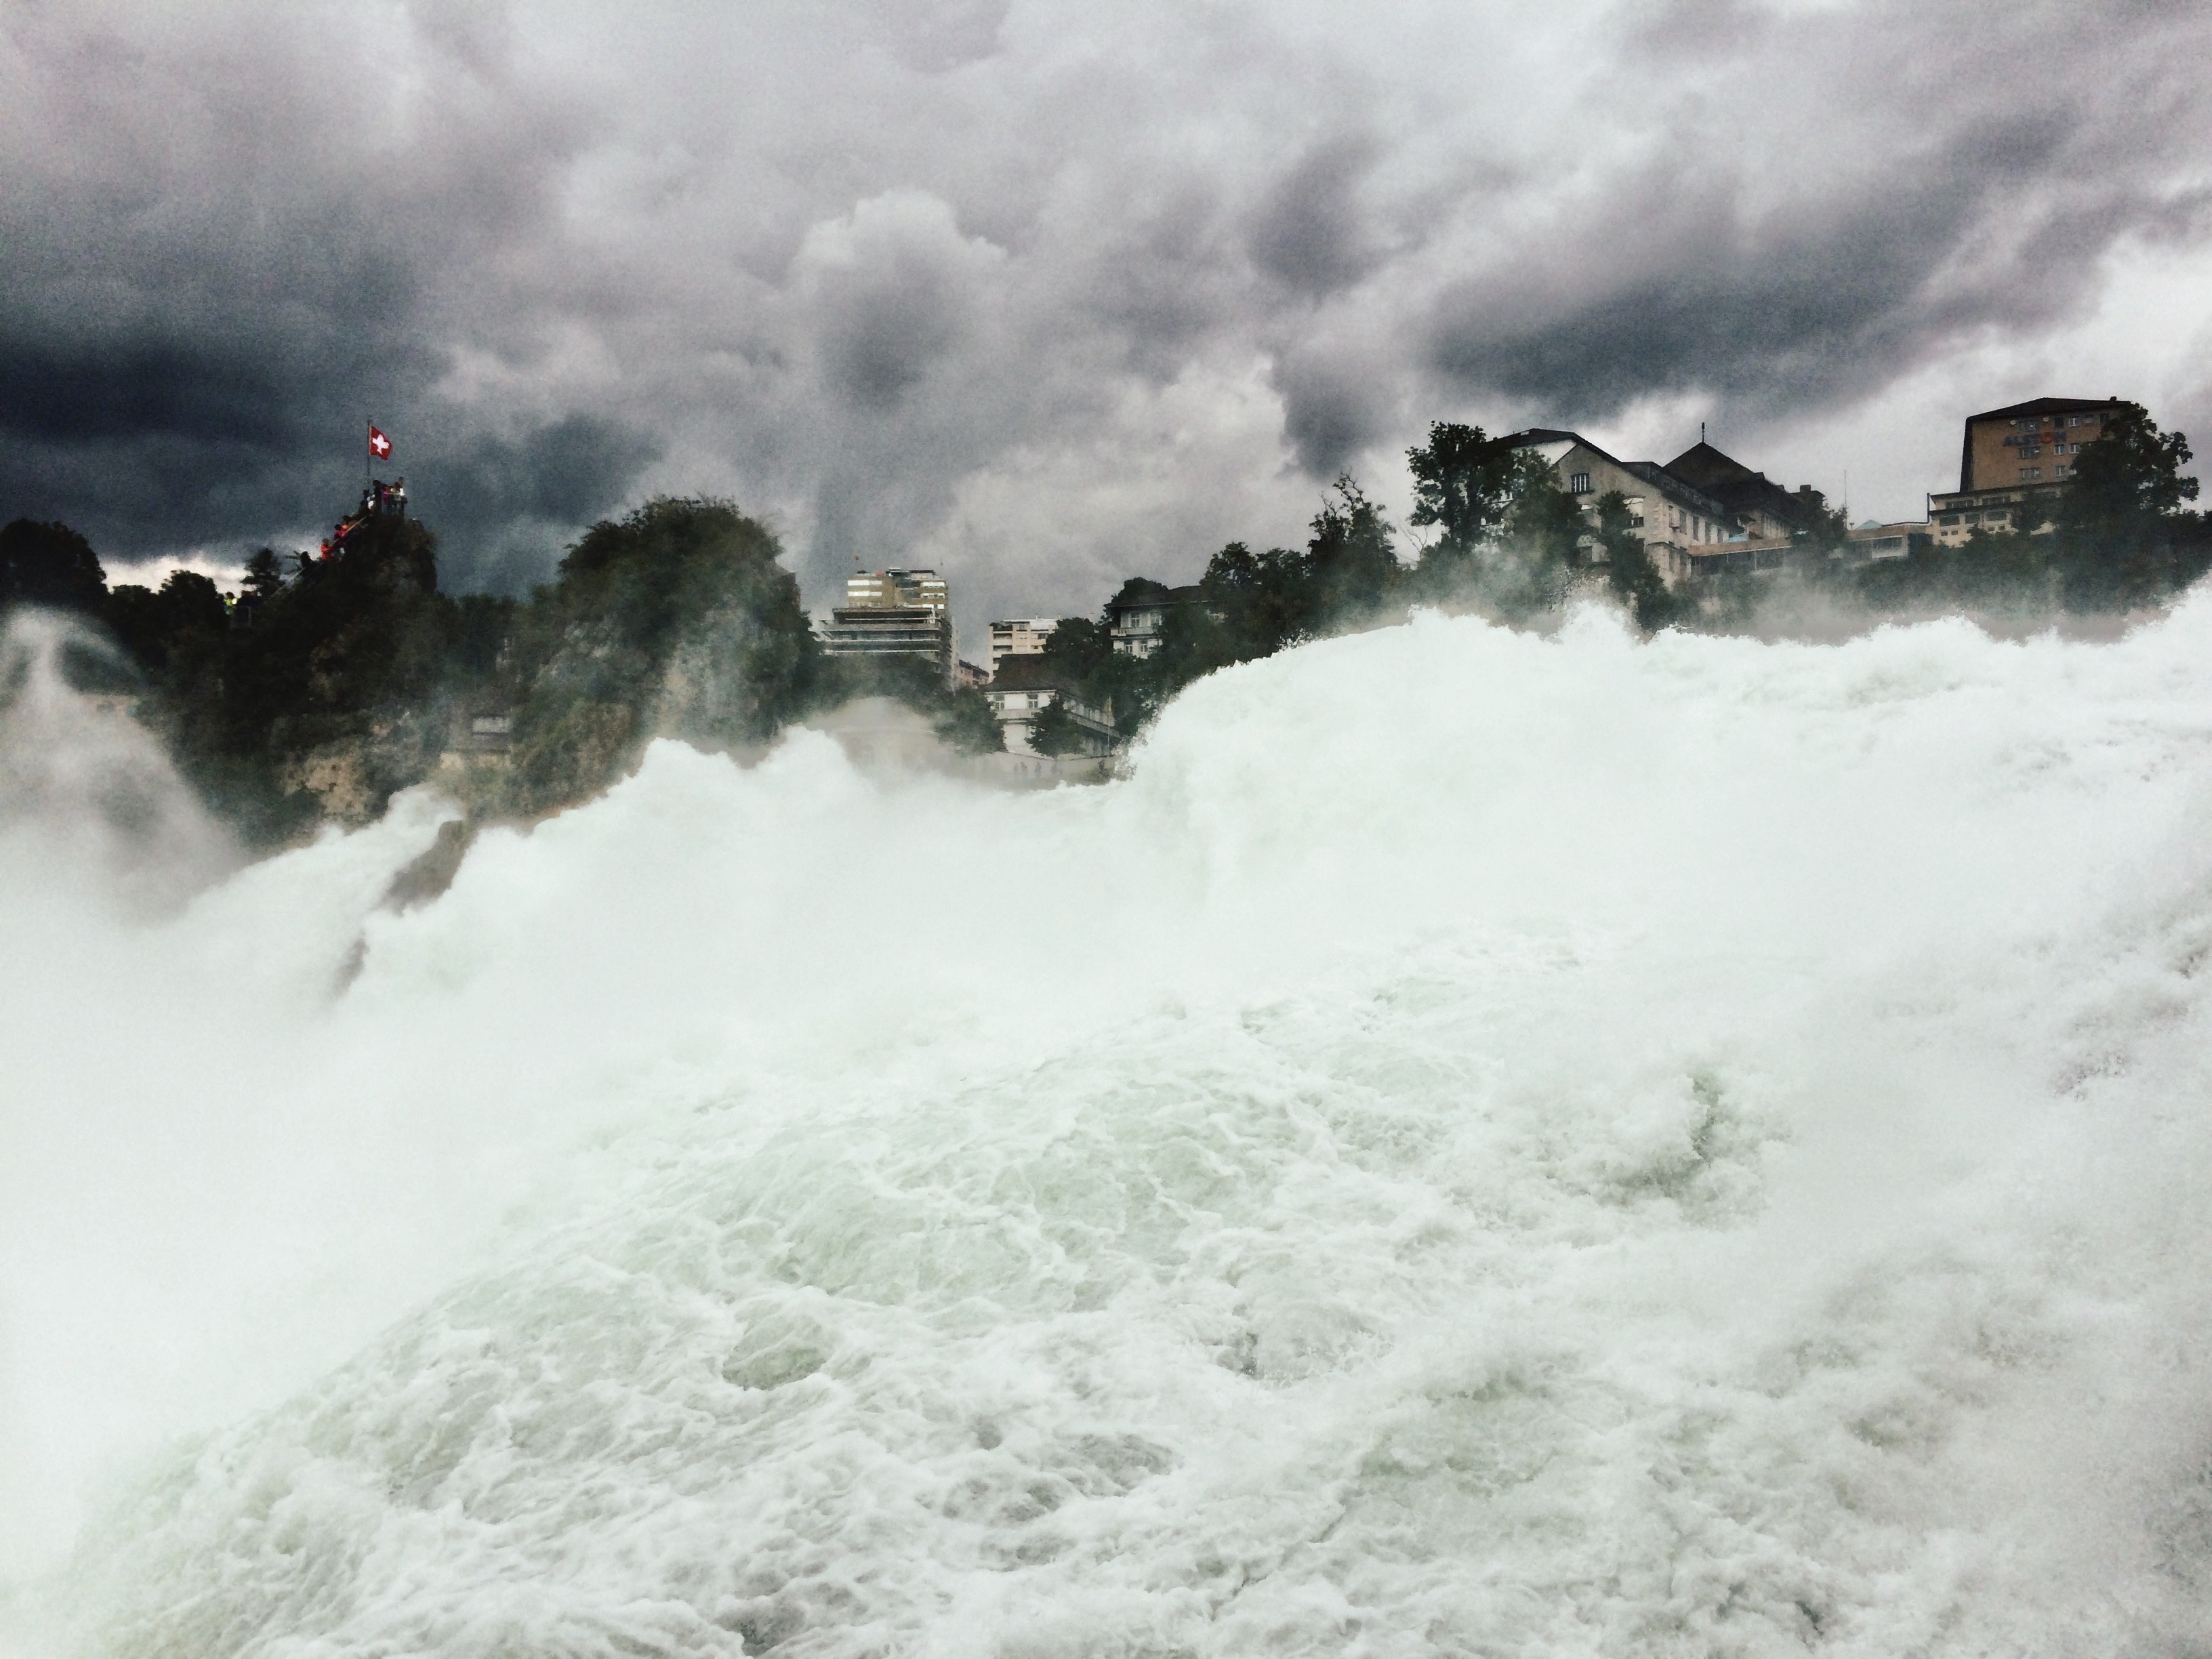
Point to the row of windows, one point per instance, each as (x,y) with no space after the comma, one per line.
(2036,423)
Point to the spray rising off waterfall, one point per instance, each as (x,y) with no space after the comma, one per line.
(1479,1144)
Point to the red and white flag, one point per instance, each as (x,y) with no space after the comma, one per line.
(378,445)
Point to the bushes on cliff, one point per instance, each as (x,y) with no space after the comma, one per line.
(675,621)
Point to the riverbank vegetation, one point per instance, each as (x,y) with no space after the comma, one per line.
(319,690)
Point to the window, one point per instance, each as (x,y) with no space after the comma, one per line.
(1578,483)
(2031,472)
(2060,471)
(1948,518)
(1636,522)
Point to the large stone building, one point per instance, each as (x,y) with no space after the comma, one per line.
(1673,515)
(893,613)
(2015,464)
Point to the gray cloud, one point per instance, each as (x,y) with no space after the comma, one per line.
(1034,289)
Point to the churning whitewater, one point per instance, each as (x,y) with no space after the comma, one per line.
(1481,1144)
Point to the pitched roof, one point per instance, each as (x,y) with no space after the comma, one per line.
(1153,594)
(1704,466)
(1683,491)
(1737,487)
(1025,670)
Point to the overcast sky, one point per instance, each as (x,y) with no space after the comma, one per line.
(1047,294)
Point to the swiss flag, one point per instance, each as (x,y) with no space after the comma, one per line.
(378,445)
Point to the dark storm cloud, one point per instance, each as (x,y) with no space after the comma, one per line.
(1309,233)
(1032,288)
(1987,205)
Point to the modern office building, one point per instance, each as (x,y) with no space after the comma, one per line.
(893,613)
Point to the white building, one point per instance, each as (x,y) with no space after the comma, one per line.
(1136,620)
(1022,636)
(1023,689)
(1674,517)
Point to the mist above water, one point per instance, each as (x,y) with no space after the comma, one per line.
(1480,1143)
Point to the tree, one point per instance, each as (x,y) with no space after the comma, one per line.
(1463,482)
(1525,570)
(1263,598)
(1628,566)
(1352,569)
(49,564)
(264,575)
(2118,519)
(1055,732)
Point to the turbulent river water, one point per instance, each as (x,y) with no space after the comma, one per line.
(1480,1145)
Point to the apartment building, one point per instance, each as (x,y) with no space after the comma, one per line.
(2015,464)
(894,613)
(1020,636)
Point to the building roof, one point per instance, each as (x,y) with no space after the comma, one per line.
(1151,596)
(2044,406)
(1027,672)
(1682,490)
(1737,487)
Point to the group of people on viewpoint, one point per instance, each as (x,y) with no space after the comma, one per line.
(376,498)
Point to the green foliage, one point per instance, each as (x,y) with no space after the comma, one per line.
(1352,569)
(676,620)
(264,575)
(1634,578)
(51,565)
(1264,598)
(1825,527)
(1463,483)
(2121,534)
(354,653)
(1055,732)
(1077,649)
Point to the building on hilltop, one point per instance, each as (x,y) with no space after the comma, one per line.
(1021,636)
(1759,508)
(1673,515)
(1138,614)
(894,613)
(2015,464)
(1025,687)
(1871,541)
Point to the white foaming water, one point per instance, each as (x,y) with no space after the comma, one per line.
(1481,1144)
